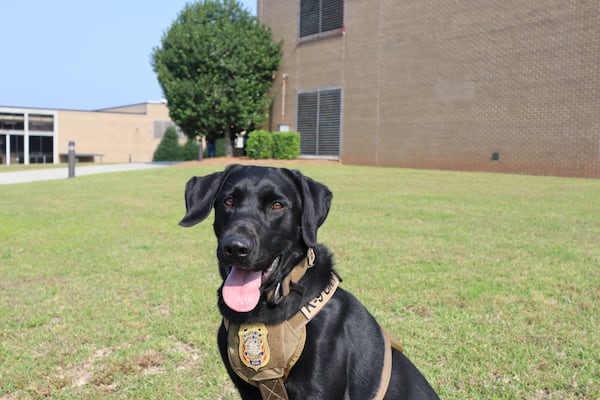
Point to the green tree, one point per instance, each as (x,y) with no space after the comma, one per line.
(168,149)
(215,65)
(189,151)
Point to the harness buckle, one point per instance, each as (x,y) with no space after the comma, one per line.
(277,295)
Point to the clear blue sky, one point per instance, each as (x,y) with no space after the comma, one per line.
(83,55)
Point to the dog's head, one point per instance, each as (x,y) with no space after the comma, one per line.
(265,221)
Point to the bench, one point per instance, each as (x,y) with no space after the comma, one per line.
(82,157)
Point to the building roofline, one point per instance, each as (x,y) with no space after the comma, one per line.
(100,110)
(107,109)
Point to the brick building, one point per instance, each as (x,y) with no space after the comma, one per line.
(507,86)
(118,134)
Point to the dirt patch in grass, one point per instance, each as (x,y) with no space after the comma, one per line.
(103,367)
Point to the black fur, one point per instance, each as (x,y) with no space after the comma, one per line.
(343,355)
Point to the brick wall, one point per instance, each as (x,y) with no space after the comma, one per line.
(440,84)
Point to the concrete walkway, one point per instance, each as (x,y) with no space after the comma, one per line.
(63,173)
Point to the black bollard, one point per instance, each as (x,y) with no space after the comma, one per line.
(71,159)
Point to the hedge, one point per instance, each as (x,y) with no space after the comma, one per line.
(277,145)
(286,145)
(259,145)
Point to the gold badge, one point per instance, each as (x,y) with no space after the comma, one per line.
(254,348)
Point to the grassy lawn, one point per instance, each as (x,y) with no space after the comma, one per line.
(491,281)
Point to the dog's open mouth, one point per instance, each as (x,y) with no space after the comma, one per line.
(241,290)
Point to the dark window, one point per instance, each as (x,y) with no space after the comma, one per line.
(319,16)
(2,149)
(319,122)
(17,149)
(41,149)
(12,122)
(40,122)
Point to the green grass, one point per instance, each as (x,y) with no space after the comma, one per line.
(491,281)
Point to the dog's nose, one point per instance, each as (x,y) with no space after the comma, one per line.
(237,247)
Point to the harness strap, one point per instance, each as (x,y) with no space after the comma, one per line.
(273,389)
(262,354)
(389,343)
(386,372)
(395,343)
(271,380)
(283,288)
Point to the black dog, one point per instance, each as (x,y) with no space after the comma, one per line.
(266,222)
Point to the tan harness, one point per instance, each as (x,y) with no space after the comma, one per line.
(263,355)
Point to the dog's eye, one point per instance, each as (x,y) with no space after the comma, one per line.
(276,205)
(228,202)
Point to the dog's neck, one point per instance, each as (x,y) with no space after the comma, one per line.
(291,281)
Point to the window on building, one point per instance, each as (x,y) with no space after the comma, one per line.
(320,16)
(159,128)
(319,122)
(12,122)
(17,149)
(41,149)
(40,122)
(3,149)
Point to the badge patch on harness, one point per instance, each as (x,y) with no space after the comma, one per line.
(254,348)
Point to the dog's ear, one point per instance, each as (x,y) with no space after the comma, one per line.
(200,195)
(316,199)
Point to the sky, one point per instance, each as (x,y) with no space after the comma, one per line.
(83,55)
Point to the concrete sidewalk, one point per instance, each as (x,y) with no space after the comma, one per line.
(63,173)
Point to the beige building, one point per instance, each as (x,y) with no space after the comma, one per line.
(507,86)
(120,134)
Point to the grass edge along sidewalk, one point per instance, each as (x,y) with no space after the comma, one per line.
(32,174)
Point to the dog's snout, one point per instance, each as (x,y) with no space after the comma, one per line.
(237,247)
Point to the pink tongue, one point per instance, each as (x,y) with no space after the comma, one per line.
(241,290)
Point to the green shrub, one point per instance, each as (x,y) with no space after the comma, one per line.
(286,145)
(168,149)
(259,145)
(189,151)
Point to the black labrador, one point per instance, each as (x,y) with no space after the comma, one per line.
(266,222)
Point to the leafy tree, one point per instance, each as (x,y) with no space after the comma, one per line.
(215,66)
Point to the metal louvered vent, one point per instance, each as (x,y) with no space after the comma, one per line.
(319,122)
(332,15)
(318,16)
